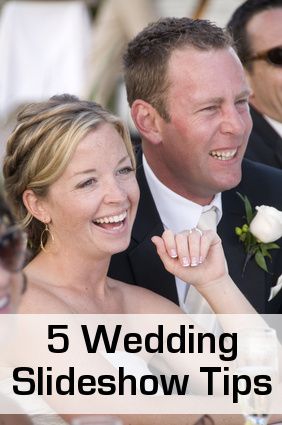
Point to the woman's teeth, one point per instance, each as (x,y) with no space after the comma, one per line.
(111,219)
(223,156)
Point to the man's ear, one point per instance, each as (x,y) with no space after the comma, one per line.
(35,206)
(146,120)
(249,81)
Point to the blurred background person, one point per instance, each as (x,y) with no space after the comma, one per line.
(44,47)
(116,22)
(12,255)
(75,46)
(256,27)
(12,286)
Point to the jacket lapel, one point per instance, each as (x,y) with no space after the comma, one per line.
(148,224)
(267,133)
(254,283)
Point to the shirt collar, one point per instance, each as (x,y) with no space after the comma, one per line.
(275,124)
(176,212)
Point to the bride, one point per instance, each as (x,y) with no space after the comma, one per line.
(69,175)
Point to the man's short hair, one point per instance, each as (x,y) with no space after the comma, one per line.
(147,55)
(238,23)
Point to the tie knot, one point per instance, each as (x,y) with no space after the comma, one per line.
(208,220)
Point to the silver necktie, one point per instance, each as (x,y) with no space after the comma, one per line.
(194,302)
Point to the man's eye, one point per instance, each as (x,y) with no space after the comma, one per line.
(242,102)
(125,170)
(210,108)
(87,183)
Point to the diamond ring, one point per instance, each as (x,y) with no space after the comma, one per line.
(197,230)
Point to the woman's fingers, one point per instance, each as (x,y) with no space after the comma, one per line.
(168,262)
(209,238)
(192,248)
(186,246)
(195,242)
(170,243)
(182,248)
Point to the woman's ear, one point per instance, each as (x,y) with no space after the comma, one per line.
(146,120)
(35,206)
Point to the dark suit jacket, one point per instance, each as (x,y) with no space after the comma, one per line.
(265,145)
(140,264)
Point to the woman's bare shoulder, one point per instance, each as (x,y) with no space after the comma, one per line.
(39,300)
(141,300)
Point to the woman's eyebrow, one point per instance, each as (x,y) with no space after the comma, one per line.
(91,170)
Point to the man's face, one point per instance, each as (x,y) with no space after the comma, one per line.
(203,144)
(265,32)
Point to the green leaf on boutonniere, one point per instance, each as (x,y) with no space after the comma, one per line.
(253,246)
(259,257)
(248,208)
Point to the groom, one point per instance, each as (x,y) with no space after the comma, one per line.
(189,101)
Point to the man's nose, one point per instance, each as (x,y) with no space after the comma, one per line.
(233,122)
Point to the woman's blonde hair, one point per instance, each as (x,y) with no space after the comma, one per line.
(41,146)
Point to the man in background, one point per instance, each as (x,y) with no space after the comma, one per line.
(256,27)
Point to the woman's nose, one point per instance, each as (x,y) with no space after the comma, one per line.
(115,192)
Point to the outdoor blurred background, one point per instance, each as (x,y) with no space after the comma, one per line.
(49,47)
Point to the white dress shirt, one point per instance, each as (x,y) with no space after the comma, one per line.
(177,213)
(275,124)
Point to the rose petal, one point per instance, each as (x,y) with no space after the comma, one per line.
(275,289)
(267,224)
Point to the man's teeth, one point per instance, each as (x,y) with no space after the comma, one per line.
(111,219)
(224,156)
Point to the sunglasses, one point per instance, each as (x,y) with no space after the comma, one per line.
(12,249)
(272,56)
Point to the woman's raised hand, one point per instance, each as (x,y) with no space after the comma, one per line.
(193,256)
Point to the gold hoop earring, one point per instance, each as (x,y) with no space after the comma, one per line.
(45,231)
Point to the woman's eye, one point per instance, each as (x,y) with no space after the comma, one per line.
(125,170)
(87,183)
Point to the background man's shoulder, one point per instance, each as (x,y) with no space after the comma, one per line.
(261,182)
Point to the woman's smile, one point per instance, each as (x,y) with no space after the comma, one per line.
(113,223)
(98,193)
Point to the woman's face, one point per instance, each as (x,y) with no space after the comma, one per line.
(92,206)
(12,253)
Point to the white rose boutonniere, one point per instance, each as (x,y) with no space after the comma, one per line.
(263,228)
(267,224)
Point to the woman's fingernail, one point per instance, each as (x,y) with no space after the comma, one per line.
(173,253)
(185,262)
(201,260)
(194,262)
